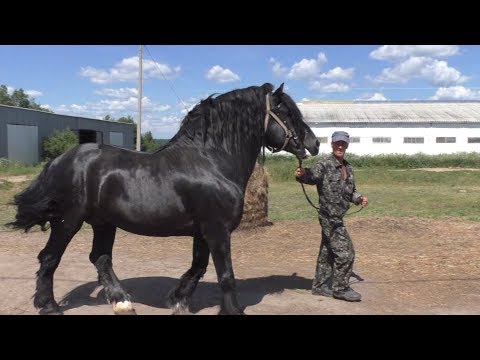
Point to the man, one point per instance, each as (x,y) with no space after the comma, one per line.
(336,189)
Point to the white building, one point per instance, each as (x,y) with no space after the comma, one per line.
(409,127)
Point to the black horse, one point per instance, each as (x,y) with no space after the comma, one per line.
(193,186)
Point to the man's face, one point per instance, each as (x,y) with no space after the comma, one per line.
(339,148)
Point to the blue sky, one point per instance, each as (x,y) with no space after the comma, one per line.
(100,80)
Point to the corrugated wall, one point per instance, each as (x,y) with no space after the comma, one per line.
(47,123)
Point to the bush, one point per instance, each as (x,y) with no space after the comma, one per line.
(58,143)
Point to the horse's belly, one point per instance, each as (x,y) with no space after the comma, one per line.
(166,221)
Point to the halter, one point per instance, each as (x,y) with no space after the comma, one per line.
(289,134)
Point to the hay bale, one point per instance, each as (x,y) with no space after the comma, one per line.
(255,208)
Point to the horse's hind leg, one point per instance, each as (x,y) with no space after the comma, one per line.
(101,257)
(62,231)
(179,297)
(218,240)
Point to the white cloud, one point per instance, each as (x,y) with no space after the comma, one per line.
(333,87)
(127,70)
(118,93)
(33,93)
(338,74)
(116,108)
(398,52)
(166,125)
(374,97)
(440,74)
(277,68)
(219,74)
(456,93)
(436,72)
(307,68)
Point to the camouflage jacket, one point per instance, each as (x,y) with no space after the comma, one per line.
(335,194)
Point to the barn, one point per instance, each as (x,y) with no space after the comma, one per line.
(394,127)
(22,132)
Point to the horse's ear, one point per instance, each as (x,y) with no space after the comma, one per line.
(267,87)
(279,90)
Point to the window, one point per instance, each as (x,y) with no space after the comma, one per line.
(355,139)
(444,140)
(474,140)
(382,140)
(116,138)
(323,139)
(413,140)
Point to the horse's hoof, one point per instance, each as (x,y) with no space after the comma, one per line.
(180,308)
(235,312)
(124,308)
(50,310)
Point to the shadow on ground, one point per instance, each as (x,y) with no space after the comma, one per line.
(152,291)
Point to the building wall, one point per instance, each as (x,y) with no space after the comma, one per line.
(47,123)
(397,132)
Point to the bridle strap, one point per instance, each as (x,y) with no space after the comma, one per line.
(288,133)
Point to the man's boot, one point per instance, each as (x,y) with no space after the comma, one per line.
(323,290)
(348,295)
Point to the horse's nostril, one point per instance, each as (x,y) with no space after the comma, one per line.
(317,143)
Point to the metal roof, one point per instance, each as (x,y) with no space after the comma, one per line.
(391,112)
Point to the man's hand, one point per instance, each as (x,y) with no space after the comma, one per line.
(364,201)
(299,172)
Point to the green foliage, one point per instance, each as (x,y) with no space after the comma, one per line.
(281,167)
(58,143)
(401,161)
(108,118)
(148,143)
(161,142)
(19,99)
(391,192)
(127,120)
(12,167)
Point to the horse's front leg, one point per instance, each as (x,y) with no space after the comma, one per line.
(179,297)
(218,240)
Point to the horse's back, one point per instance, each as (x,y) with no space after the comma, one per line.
(164,193)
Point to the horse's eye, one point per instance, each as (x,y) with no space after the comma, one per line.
(278,106)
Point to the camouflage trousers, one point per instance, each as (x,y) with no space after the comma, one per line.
(336,257)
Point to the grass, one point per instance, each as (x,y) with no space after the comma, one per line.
(14,168)
(391,192)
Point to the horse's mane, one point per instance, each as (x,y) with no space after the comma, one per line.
(227,121)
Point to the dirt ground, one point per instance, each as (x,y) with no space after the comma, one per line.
(409,266)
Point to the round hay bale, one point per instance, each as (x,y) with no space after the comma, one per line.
(255,208)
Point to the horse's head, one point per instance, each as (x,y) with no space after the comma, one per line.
(285,128)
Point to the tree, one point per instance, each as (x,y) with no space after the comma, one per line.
(4,97)
(109,118)
(148,143)
(59,142)
(129,120)
(19,99)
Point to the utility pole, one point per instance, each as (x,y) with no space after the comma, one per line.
(139,108)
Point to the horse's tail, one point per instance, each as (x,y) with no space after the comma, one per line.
(37,204)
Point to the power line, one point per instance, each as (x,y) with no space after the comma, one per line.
(168,81)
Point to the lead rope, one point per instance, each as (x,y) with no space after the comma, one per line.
(304,192)
(310,201)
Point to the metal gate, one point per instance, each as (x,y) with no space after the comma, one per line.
(22,143)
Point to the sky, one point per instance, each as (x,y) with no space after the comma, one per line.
(99,80)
